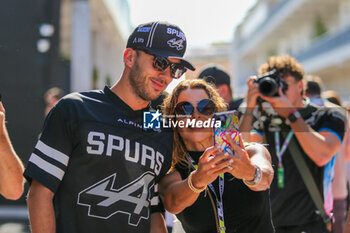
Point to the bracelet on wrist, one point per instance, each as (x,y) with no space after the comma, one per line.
(190,184)
(257,178)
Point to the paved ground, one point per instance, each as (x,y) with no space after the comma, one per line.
(14,219)
(14,226)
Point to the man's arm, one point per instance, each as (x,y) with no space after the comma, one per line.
(347,223)
(11,167)
(158,224)
(346,140)
(41,211)
(247,117)
(245,129)
(245,126)
(319,146)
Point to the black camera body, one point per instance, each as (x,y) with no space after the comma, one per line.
(270,82)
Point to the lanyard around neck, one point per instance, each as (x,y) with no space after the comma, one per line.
(219,202)
(279,153)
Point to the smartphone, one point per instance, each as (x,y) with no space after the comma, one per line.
(229,124)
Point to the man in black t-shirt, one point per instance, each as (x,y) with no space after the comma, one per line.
(95,167)
(318,132)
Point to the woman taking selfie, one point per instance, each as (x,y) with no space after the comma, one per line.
(208,190)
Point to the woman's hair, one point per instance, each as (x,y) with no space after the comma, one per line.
(169,105)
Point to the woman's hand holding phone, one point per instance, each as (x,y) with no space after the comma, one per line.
(242,167)
(211,164)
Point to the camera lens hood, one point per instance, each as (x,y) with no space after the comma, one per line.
(268,86)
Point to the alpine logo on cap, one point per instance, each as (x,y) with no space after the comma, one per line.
(178,44)
(144,29)
(138,40)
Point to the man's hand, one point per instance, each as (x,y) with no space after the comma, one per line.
(11,167)
(247,117)
(2,117)
(252,94)
(280,104)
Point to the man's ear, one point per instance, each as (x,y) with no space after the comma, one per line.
(301,87)
(129,57)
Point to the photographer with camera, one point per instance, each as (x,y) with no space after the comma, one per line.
(302,138)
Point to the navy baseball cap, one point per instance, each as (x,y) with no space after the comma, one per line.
(160,39)
(216,75)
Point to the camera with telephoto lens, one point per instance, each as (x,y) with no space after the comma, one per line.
(270,82)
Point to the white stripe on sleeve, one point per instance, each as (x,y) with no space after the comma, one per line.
(155,201)
(46,166)
(52,153)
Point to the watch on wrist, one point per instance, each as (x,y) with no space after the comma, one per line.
(293,117)
(257,178)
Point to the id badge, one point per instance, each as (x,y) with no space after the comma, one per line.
(280,176)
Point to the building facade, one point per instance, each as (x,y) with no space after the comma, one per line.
(316,32)
(93,38)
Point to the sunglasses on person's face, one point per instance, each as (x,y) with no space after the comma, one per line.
(205,106)
(161,63)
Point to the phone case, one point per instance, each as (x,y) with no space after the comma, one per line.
(229,123)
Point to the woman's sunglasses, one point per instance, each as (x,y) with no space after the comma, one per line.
(205,106)
(161,63)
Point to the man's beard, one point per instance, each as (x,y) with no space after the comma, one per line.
(138,84)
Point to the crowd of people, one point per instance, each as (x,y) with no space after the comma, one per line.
(96,168)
